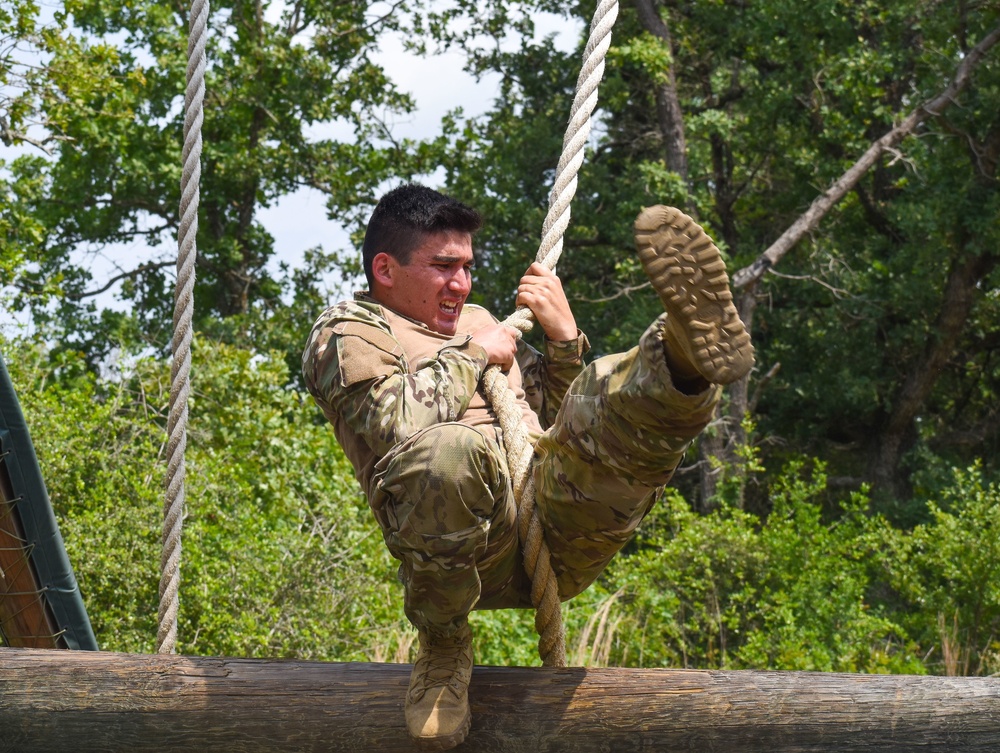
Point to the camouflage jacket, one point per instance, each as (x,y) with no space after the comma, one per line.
(379,377)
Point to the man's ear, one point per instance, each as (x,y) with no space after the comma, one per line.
(384,269)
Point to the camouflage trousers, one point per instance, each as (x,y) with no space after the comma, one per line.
(444,501)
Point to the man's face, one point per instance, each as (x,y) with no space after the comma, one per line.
(433,285)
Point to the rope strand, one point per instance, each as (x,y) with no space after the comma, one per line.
(180,371)
(544,588)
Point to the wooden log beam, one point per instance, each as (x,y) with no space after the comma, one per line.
(90,701)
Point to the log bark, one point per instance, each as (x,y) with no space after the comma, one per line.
(90,701)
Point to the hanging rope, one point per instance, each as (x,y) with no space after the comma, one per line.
(180,371)
(544,589)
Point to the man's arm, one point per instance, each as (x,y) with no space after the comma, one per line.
(547,377)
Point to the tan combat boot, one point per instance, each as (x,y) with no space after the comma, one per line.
(704,336)
(437,702)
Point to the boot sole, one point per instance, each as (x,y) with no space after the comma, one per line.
(689,275)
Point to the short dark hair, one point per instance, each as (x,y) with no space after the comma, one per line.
(406,215)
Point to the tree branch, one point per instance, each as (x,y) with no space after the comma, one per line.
(142,269)
(624,292)
(374,22)
(823,203)
(837,292)
(761,384)
(974,436)
(10,137)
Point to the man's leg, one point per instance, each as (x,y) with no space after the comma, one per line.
(628,418)
(444,503)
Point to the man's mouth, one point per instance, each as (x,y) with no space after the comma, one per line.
(450,307)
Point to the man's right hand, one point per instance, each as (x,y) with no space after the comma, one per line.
(499,342)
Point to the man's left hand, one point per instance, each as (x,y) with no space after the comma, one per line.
(542,292)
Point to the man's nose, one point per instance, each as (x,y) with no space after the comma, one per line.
(460,282)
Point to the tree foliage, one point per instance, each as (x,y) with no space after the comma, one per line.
(278,556)
(884,303)
(836,517)
(281,557)
(294,99)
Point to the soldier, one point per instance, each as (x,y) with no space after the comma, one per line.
(397,372)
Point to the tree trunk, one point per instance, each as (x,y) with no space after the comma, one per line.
(669,115)
(715,446)
(239,275)
(956,305)
(90,701)
(723,443)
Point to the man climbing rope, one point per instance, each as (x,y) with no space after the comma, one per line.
(397,372)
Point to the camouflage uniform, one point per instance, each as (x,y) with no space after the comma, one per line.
(406,406)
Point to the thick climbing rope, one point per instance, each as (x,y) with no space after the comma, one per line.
(544,588)
(180,372)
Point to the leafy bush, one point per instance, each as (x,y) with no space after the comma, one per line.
(282,559)
(947,572)
(730,590)
(279,555)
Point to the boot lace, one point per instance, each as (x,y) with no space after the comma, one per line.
(442,663)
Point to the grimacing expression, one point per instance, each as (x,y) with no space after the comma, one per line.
(433,285)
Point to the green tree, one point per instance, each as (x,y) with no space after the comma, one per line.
(945,575)
(877,320)
(25,83)
(882,320)
(732,590)
(41,64)
(278,75)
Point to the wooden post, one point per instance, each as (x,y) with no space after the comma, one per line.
(89,701)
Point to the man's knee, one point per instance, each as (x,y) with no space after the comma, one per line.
(442,480)
(588,515)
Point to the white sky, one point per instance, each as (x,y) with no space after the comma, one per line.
(299,222)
